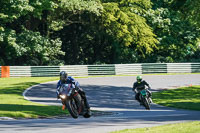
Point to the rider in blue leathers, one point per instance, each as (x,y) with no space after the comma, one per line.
(64,78)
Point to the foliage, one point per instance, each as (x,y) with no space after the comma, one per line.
(112,37)
(39,32)
(37,50)
(12,10)
(177,36)
(29,47)
(70,11)
(189,9)
(124,22)
(20,46)
(74,22)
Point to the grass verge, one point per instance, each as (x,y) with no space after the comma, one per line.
(187,127)
(183,98)
(13,104)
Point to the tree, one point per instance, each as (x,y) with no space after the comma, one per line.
(124,22)
(22,41)
(189,9)
(176,35)
(69,12)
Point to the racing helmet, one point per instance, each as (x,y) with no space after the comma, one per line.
(139,79)
(63,76)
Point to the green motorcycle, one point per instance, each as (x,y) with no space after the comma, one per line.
(145,99)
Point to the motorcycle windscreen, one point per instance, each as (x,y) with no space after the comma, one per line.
(143,92)
(65,89)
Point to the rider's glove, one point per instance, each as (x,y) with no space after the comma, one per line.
(135,90)
(76,88)
(73,82)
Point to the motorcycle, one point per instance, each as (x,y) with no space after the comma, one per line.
(145,98)
(73,101)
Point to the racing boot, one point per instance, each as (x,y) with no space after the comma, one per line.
(63,107)
(87,106)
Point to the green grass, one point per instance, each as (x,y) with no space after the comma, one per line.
(13,104)
(187,127)
(183,98)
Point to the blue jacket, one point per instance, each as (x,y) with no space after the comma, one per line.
(69,80)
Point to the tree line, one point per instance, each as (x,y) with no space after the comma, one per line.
(57,32)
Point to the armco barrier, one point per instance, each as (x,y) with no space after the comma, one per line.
(154,68)
(106,69)
(45,71)
(20,71)
(128,69)
(101,69)
(179,68)
(195,67)
(75,70)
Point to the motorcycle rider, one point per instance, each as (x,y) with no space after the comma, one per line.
(64,78)
(140,85)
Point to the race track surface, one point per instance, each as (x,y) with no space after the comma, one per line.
(108,94)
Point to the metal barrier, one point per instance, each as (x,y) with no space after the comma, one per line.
(106,69)
(45,71)
(128,69)
(154,68)
(101,69)
(195,67)
(179,68)
(20,71)
(75,70)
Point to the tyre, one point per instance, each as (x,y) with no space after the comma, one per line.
(146,104)
(79,103)
(74,106)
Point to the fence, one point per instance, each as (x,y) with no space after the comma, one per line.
(107,69)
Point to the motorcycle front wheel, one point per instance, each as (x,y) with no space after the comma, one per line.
(146,104)
(72,108)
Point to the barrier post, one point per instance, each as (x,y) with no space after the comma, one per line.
(5,71)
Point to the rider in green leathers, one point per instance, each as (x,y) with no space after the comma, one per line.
(140,85)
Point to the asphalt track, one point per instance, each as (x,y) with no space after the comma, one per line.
(109,94)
